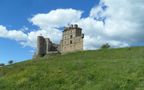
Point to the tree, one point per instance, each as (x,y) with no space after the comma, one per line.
(10,62)
(2,64)
(105,46)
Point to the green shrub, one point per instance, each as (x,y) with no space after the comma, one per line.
(105,46)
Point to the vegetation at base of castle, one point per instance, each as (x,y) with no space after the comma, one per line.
(104,69)
(105,46)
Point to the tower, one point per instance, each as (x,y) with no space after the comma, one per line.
(41,46)
(72,39)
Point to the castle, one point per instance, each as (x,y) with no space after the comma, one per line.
(72,40)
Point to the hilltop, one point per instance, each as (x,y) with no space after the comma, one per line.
(107,69)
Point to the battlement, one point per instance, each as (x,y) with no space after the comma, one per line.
(75,26)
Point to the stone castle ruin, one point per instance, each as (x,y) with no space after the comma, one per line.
(72,40)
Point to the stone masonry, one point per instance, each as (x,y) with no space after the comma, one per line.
(72,40)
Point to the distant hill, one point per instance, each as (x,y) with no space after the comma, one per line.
(107,69)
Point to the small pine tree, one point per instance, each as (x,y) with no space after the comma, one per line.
(105,46)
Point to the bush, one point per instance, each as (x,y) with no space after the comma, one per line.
(105,46)
(10,62)
(2,64)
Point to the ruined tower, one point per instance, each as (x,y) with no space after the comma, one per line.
(45,46)
(41,46)
(72,39)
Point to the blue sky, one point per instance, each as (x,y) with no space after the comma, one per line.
(117,22)
(14,14)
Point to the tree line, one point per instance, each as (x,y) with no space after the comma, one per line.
(9,62)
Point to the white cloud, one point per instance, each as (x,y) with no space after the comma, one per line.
(12,34)
(95,35)
(125,20)
(56,18)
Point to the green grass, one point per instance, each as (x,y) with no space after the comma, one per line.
(112,69)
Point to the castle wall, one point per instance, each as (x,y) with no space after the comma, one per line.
(48,45)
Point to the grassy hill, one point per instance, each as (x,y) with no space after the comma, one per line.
(112,69)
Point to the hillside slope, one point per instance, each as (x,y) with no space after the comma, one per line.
(112,69)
